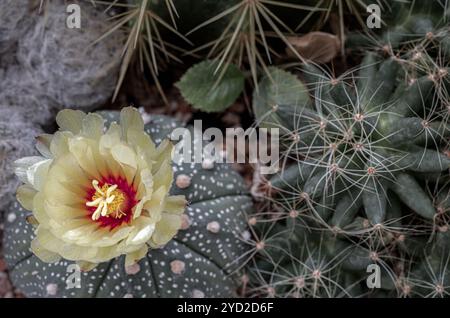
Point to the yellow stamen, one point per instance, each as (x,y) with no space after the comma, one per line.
(108,199)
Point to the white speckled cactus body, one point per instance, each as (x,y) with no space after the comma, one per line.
(199,262)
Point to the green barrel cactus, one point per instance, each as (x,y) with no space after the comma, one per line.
(364,181)
(201,261)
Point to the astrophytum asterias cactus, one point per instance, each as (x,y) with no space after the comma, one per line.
(124,208)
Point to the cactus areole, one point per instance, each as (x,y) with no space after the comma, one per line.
(104,217)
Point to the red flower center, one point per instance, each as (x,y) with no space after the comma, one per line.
(110,202)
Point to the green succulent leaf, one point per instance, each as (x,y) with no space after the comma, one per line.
(211,91)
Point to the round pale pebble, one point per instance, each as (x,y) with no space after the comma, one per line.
(198,294)
(213,227)
(208,164)
(185,222)
(183,181)
(132,269)
(128,295)
(51,289)
(177,267)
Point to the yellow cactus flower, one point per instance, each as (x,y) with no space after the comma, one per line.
(97,193)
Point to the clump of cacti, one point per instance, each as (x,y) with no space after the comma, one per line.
(139,221)
(364,181)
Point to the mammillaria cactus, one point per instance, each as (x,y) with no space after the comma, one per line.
(99,225)
(364,164)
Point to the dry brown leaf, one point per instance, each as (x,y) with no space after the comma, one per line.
(319,47)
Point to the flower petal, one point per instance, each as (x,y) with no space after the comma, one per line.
(103,237)
(59,145)
(60,212)
(143,230)
(139,139)
(71,120)
(126,157)
(43,145)
(134,257)
(37,173)
(155,205)
(165,229)
(39,211)
(175,204)
(23,164)
(25,196)
(164,176)
(44,254)
(92,126)
(86,266)
(130,118)
(82,151)
(57,194)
